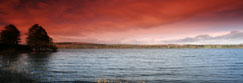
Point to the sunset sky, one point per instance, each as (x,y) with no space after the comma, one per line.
(129,21)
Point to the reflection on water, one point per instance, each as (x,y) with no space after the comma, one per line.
(11,62)
(149,65)
(31,63)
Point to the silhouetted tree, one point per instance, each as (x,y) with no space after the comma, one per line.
(39,40)
(10,35)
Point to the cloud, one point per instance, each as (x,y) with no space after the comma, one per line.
(234,37)
(93,19)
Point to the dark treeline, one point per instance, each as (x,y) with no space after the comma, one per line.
(37,40)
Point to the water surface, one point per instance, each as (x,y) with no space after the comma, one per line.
(149,65)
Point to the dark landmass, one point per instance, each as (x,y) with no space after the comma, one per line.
(83,45)
(22,49)
(14,48)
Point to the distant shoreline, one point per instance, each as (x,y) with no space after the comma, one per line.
(76,45)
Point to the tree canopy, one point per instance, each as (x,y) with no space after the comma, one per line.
(10,35)
(38,39)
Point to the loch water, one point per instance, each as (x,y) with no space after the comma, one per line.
(147,65)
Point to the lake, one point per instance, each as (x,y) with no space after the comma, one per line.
(147,65)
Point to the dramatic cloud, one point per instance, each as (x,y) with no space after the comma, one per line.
(120,21)
(234,37)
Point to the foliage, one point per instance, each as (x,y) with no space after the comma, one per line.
(39,40)
(10,35)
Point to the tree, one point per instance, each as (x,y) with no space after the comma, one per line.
(39,40)
(10,35)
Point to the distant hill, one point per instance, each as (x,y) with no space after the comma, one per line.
(85,45)
(73,43)
(78,45)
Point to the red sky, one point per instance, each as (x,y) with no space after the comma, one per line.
(129,21)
